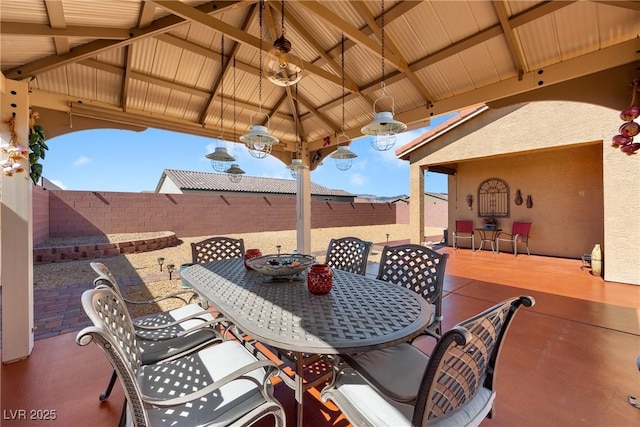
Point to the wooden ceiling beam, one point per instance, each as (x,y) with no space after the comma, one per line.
(90,49)
(55,13)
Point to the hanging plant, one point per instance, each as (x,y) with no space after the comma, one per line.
(37,146)
(629,129)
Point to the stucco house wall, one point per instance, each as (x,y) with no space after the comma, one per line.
(489,142)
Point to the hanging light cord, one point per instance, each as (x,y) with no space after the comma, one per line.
(234,104)
(382,41)
(342,63)
(221,85)
(282,19)
(295,118)
(260,60)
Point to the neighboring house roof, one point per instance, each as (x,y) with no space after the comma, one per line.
(462,116)
(441,196)
(206,181)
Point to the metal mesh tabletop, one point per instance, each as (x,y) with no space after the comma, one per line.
(358,314)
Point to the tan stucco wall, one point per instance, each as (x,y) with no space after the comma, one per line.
(490,140)
(566,188)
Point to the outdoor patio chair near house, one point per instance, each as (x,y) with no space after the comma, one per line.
(419,269)
(167,334)
(464,230)
(222,384)
(519,233)
(348,254)
(216,249)
(402,386)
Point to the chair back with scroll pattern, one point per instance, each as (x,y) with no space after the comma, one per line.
(464,360)
(417,268)
(216,249)
(348,254)
(114,333)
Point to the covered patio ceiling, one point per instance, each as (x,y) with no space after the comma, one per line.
(137,64)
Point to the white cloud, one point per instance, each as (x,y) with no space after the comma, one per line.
(357,179)
(81,161)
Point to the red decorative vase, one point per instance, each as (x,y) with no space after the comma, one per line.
(320,279)
(250,253)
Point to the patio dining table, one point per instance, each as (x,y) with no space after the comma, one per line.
(359,314)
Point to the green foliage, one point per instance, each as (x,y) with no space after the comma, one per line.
(38,151)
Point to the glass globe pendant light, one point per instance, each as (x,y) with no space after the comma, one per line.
(258,140)
(343,155)
(281,67)
(220,158)
(384,128)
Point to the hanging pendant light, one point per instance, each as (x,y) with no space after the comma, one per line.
(297,166)
(343,155)
(384,128)
(281,67)
(220,158)
(234,172)
(258,140)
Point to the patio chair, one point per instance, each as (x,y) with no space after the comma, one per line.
(167,334)
(464,230)
(402,386)
(519,233)
(419,269)
(216,249)
(222,384)
(348,254)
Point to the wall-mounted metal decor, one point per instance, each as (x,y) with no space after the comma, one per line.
(529,201)
(493,198)
(518,200)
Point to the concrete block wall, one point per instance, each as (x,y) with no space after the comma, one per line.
(40,214)
(82,213)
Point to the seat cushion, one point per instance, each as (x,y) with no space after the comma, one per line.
(171,316)
(188,374)
(155,351)
(395,371)
(364,406)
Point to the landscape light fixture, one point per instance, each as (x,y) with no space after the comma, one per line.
(343,155)
(384,128)
(220,158)
(281,67)
(259,141)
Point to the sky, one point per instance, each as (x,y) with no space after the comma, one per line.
(127,161)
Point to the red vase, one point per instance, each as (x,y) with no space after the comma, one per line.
(320,279)
(250,253)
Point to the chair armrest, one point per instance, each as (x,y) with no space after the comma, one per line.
(162,298)
(215,321)
(272,370)
(500,233)
(194,316)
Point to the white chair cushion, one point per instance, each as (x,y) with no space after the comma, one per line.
(173,379)
(364,406)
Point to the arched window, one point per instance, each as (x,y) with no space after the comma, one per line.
(493,198)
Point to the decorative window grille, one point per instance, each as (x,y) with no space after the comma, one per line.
(493,198)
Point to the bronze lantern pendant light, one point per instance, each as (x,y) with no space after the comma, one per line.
(384,128)
(343,155)
(281,67)
(258,140)
(220,158)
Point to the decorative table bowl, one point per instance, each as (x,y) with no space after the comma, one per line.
(282,266)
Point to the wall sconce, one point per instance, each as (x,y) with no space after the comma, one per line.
(469,201)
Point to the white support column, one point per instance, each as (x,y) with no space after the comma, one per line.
(303,211)
(416,203)
(16,232)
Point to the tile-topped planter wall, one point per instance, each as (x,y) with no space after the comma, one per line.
(101,250)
